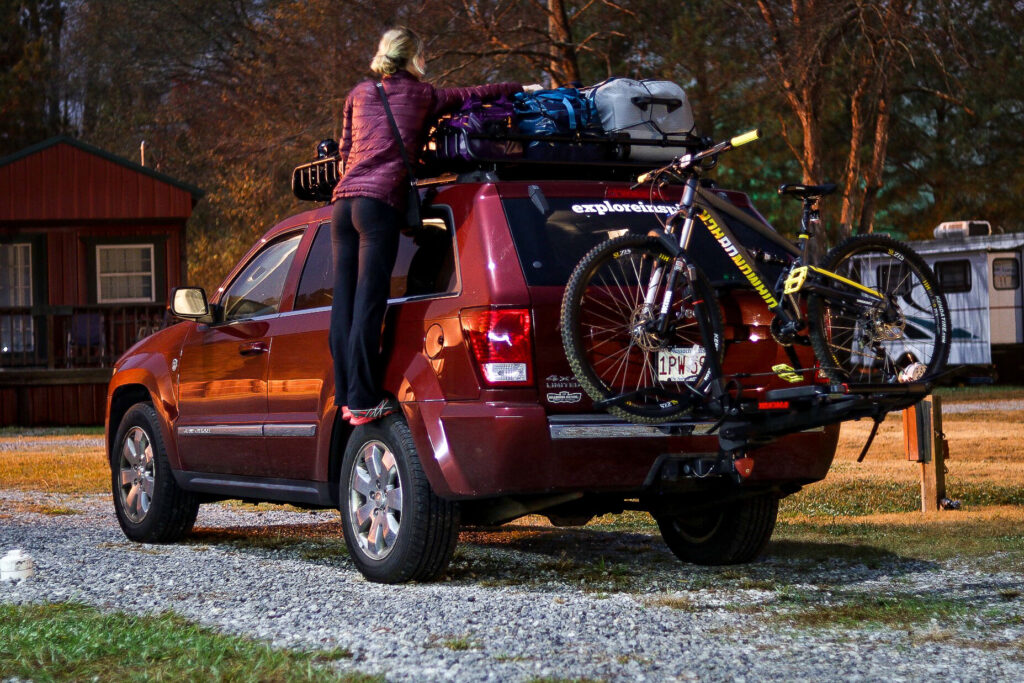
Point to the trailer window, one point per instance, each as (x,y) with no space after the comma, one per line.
(1006,273)
(954,276)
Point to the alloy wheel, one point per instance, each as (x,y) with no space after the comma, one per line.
(375,499)
(137,471)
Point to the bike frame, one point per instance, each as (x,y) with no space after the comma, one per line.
(795,279)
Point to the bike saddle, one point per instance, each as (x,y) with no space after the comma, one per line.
(806,192)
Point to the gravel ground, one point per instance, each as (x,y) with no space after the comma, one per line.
(531,601)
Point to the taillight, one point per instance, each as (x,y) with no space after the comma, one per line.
(500,339)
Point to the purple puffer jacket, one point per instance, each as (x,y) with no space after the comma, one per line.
(373,166)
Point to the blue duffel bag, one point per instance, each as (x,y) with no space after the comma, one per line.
(561,113)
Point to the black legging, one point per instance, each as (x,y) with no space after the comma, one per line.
(364,236)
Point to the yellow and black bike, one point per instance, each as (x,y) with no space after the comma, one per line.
(643,333)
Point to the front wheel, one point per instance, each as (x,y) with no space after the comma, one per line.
(150,506)
(613,337)
(395,527)
(903,337)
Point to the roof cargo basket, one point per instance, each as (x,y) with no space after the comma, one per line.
(315,181)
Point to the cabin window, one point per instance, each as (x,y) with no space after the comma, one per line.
(17,331)
(125,273)
(954,276)
(1006,273)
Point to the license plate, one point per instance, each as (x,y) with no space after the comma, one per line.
(680,364)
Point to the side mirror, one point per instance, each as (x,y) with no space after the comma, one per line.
(190,303)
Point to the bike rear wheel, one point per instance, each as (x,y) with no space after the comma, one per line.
(904,338)
(611,338)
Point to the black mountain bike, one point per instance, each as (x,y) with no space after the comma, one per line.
(643,332)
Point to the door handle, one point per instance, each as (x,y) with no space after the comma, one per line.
(252,348)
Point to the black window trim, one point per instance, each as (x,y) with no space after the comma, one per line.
(958,290)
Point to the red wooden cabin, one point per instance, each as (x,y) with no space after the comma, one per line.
(91,246)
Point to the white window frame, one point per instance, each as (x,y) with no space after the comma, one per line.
(151,274)
(31,293)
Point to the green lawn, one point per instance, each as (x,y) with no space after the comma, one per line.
(73,642)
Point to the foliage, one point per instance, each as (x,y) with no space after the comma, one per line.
(229,95)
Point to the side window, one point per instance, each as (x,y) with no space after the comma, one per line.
(316,286)
(1006,273)
(258,288)
(954,276)
(426,262)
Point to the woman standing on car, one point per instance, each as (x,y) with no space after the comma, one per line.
(369,210)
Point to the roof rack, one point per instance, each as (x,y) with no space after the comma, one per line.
(605,157)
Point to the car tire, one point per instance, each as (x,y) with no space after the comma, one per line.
(731,534)
(150,506)
(396,528)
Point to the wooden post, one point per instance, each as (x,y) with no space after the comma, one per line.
(924,442)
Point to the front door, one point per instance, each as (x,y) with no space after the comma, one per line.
(223,371)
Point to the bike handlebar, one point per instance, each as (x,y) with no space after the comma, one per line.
(688,160)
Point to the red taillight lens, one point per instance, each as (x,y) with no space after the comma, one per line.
(500,339)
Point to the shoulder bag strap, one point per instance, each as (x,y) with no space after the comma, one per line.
(394,130)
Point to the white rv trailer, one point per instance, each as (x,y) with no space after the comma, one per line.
(980,274)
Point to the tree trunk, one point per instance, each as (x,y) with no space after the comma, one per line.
(564,68)
(873,179)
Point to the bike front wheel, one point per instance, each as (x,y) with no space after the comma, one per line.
(903,337)
(620,348)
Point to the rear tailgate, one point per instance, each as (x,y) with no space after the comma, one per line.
(555,225)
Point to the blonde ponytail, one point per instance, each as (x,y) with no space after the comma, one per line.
(398,49)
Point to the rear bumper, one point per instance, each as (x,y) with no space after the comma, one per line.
(474,450)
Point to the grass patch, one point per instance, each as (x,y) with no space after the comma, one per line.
(51,431)
(678,602)
(53,510)
(60,469)
(858,610)
(995,534)
(66,641)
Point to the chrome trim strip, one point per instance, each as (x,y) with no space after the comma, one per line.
(221,430)
(593,427)
(300,429)
(625,430)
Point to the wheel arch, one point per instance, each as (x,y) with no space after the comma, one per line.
(130,392)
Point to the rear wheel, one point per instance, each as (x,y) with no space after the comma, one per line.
(733,533)
(610,336)
(902,338)
(395,527)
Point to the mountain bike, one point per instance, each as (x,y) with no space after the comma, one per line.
(642,328)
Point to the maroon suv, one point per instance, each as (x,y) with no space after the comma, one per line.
(237,402)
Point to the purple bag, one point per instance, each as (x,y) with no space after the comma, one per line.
(455,136)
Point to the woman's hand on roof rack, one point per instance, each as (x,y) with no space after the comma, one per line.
(532,88)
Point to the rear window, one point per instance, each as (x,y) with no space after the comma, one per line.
(551,234)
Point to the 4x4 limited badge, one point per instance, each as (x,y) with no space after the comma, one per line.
(565,397)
